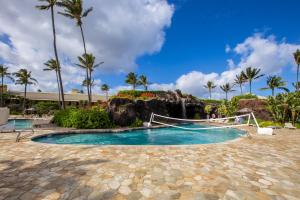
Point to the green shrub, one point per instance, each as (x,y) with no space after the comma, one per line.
(211,101)
(45,107)
(82,119)
(269,123)
(137,123)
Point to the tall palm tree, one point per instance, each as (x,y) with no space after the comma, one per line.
(144,81)
(52,65)
(227,87)
(24,78)
(50,4)
(274,82)
(87,62)
(251,74)
(132,79)
(296,85)
(73,9)
(105,88)
(240,80)
(210,85)
(4,74)
(297,60)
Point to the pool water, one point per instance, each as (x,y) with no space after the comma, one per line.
(21,123)
(159,136)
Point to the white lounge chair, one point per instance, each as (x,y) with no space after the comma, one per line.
(289,126)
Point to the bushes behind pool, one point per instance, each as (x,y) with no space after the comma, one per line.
(82,119)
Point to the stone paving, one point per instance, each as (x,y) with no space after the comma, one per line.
(263,167)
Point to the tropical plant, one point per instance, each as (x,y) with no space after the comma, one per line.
(144,82)
(297,60)
(52,65)
(285,107)
(82,118)
(274,82)
(132,79)
(105,88)
(73,9)
(251,74)
(23,77)
(4,74)
(207,110)
(87,62)
(227,87)
(240,80)
(210,85)
(296,85)
(50,4)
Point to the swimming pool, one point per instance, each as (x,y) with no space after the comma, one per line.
(157,136)
(21,123)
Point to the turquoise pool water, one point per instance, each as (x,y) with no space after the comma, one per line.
(21,123)
(159,136)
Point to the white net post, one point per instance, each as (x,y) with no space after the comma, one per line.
(254,118)
(249,117)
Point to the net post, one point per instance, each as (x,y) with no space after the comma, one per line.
(254,118)
(249,116)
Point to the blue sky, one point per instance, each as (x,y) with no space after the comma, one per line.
(191,45)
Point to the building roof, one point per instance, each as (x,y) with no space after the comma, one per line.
(51,96)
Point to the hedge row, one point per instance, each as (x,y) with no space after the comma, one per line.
(82,119)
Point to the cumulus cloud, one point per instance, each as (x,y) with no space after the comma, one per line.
(117,32)
(256,51)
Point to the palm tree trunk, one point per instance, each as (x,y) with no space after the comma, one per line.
(209,93)
(90,85)
(106,95)
(297,83)
(133,87)
(87,70)
(146,87)
(241,88)
(25,95)
(57,60)
(226,96)
(2,90)
(273,92)
(250,84)
(58,87)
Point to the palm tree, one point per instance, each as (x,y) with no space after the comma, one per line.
(73,9)
(227,88)
(274,82)
(87,61)
(52,65)
(296,85)
(297,60)
(132,79)
(251,74)
(210,85)
(24,78)
(50,5)
(4,74)
(144,81)
(240,80)
(105,88)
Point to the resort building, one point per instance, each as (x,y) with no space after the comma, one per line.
(73,98)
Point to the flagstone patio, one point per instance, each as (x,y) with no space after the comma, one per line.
(264,167)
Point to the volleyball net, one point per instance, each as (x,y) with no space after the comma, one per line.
(203,124)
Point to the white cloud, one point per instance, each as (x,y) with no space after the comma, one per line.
(117,32)
(256,51)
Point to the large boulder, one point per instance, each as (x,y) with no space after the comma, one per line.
(258,106)
(124,112)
